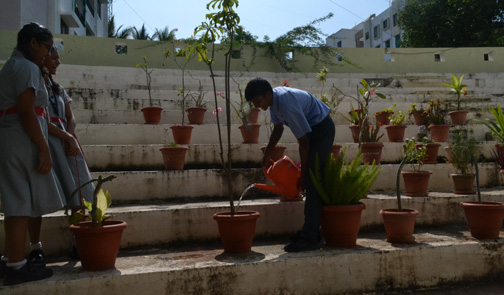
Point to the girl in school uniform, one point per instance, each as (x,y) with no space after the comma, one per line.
(28,186)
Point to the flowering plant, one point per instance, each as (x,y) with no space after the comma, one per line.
(389,110)
(457,87)
(355,116)
(398,118)
(415,155)
(369,133)
(423,134)
(436,112)
(413,109)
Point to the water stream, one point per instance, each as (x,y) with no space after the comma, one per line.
(243,194)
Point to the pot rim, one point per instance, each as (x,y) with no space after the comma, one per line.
(396,212)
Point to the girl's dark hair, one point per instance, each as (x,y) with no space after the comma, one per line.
(56,88)
(257,87)
(29,31)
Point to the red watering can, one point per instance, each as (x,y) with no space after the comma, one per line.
(284,174)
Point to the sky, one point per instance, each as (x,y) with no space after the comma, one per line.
(260,17)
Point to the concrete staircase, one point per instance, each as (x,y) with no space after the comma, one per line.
(169,213)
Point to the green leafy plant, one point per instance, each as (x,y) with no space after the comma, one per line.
(457,87)
(355,116)
(148,76)
(244,106)
(171,144)
(415,155)
(369,133)
(334,99)
(497,126)
(398,118)
(423,134)
(461,150)
(389,110)
(436,112)
(343,183)
(97,208)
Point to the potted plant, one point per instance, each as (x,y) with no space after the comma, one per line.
(484,218)
(249,130)
(174,156)
(395,132)
(341,186)
(383,116)
(355,117)
(399,223)
(279,150)
(98,240)
(496,126)
(436,114)
(419,115)
(236,228)
(196,113)
(152,114)
(432,148)
(461,150)
(416,181)
(459,116)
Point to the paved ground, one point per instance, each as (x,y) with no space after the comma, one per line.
(490,288)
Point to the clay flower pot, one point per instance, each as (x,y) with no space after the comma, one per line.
(399,226)
(335,150)
(458,117)
(420,118)
(253,115)
(196,115)
(174,157)
(440,133)
(277,153)
(355,129)
(432,152)
(383,118)
(395,133)
(416,183)
(237,232)
(485,219)
(182,133)
(341,224)
(250,132)
(152,115)
(463,184)
(371,151)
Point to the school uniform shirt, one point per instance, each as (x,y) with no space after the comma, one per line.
(23,191)
(297,109)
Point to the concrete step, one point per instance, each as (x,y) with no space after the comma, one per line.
(439,255)
(162,223)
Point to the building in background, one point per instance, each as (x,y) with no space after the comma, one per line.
(73,17)
(380,31)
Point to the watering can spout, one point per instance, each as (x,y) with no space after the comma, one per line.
(284,174)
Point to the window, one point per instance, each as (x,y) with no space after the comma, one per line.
(387,43)
(378,46)
(438,57)
(394,20)
(398,41)
(121,48)
(488,56)
(63,27)
(376,32)
(90,4)
(386,24)
(367,35)
(389,57)
(289,55)
(339,44)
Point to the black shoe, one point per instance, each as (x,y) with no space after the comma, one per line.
(302,245)
(3,265)
(27,273)
(74,255)
(37,258)
(298,236)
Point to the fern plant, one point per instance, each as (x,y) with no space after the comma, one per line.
(341,182)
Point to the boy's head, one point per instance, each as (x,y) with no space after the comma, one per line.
(259,92)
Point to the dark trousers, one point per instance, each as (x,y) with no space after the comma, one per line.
(321,140)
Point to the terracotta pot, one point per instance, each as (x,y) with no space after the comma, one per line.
(237,232)
(341,224)
(152,115)
(277,153)
(182,133)
(432,152)
(399,226)
(371,151)
(485,219)
(196,115)
(458,117)
(383,118)
(253,115)
(440,133)
(250,132)
(98,246)
(355,129)
(420,118)
(463,184)
(335,150)
(416,183)
(395,133)
(174,157)
(500,152)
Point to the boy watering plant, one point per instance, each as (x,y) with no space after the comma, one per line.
(309,120)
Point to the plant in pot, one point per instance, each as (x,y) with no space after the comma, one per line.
(395,131)
(174,156)
(436,114)
(496,126)
(432,149)
(196,113)
(341,186)
(152,114)
(370,145)
(458,117)
(484,218)
(355,117)
(279,150)
(98,240)
(416,181)
(399,223)
(236,228)
(249,129)
(383,116)
(461,150)
(419,115)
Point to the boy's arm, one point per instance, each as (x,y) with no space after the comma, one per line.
(276,134)
(304,147)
